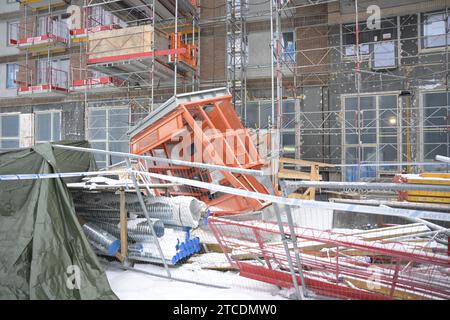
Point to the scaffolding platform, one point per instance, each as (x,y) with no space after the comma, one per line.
(99,84)
(51,35)
(37,4)
(42,90)
(42,82)
(125,66)
(81,34)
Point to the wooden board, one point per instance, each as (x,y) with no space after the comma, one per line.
(306,163)
(293,174)
(126,41)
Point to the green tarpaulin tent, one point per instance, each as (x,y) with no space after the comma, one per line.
(43,251)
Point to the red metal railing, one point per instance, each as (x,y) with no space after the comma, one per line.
(35,31)
(42,77)
(190,55)
(338,264)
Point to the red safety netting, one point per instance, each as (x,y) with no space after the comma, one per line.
(384,263)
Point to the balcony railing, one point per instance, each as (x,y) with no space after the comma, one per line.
(42,79)
(42,31)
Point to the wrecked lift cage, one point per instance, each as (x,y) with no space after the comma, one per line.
(206,128)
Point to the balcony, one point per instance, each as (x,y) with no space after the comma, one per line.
(42,81)
(41,35)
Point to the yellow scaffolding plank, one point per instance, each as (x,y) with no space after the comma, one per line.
(436,175)
(428,199)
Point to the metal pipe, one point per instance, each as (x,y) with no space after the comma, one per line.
(185,211)
(173,278)
(124,185)
(225,168)
(101,239)
(366,186)
(115,231)
(165,160)
(272,75)
(144,208)
(305,203)
(298,289)
(254,195)
(397,204)
(138,226)
(176,47)
(443,159)
(421,234)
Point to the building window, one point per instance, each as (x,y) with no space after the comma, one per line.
(372,137)
(56,73)
(9,130)
(384,55)
(98,16)
(378,44)
(11,75)
(288,144)
(288,47)
(47,126)
(435,30)
(288,128)
(12,32)
(107,130)
(436,133)
(288,114)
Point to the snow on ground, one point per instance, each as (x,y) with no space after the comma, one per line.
(128,284)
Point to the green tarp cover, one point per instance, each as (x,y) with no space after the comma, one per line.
(42,245)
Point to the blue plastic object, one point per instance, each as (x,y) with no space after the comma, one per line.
(114,248)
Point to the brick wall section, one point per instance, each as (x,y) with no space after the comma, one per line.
(213,43)
(311,44)
(78,64)
(212,9)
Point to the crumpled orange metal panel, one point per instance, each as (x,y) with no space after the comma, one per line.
(201,127)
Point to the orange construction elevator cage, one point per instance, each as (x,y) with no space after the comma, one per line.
(201,127)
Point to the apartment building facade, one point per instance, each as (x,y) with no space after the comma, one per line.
(384,104)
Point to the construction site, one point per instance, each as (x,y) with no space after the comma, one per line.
(225,149)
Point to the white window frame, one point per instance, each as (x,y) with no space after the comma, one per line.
(10,138)
(377,143)
(420,32)
(421,144)
(107,141)
(40,76)
(52,114)
(8,32)
(7,76)
(283,53)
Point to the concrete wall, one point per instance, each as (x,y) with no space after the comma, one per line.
(259,55)
(258,10)
(7,7)
(213,55)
